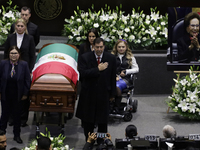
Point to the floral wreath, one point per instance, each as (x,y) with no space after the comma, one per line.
(185,99)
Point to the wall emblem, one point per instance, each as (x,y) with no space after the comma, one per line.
(48,9)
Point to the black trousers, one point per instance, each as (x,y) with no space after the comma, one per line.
(89,127)
(8,107)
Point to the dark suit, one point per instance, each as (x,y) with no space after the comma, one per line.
(27,48)
(11,97)
(184,54)
(32,30)
(96,89)
(27,54)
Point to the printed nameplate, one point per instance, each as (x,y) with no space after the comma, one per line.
(195,137)
(150,137)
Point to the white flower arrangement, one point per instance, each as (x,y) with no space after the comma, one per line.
(139,29)
(185,99)
(8,16)
(56,142)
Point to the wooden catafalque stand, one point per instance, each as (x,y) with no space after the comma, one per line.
(53,92)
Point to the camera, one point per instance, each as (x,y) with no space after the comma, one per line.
(107,145)
(101,135)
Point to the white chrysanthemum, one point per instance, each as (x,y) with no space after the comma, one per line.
(96,25)
(82,15)
(78,38)
(127,30)
(80,28)
(126,35)
(72,17)
(70,37)
(78,20)
(67,147)
(162,23)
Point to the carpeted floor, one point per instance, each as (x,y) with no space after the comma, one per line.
(150,118)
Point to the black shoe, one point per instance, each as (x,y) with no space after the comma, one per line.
(24,125)
(18,139)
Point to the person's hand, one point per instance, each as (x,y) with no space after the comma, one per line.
(195,42)
(24,97)
(122,74)
(102,66)
(91,137)
(108,136)
(117,78)
(112,99)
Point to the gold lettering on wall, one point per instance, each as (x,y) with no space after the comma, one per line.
(48,9)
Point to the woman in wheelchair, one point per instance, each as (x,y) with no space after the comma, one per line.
(188,44)
(126,65)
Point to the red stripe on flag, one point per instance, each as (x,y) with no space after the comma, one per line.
(55,67)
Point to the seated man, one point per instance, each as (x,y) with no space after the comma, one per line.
(169,131)
(44,143)
(131,131)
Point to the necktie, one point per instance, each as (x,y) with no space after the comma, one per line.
(12,73)
(98,60)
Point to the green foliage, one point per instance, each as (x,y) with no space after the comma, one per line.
(139,29)
(185,99)
(56,142)
(8,16)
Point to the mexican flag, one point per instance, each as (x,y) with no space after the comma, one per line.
(57,58)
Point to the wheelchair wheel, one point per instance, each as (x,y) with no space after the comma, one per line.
(134,105)
(128,117)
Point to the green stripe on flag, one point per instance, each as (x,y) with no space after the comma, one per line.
(60,48)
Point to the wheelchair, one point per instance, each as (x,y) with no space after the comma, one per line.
(126,108)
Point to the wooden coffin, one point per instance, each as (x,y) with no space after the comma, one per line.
(53,93)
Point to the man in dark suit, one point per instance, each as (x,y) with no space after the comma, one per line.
(31,27)
(98,85)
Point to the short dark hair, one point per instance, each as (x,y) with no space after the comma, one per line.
(2,132)
(131,131)
(44,143)
(25,8)
(189,17)
(99,40)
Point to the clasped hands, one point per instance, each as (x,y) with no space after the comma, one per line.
(194,43)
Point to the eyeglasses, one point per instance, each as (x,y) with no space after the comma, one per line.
(14,53)
(194,25)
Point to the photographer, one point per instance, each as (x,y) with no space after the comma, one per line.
(106,145)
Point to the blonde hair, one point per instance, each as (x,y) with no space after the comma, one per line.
(22,21)
(128,53)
